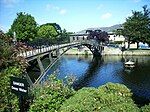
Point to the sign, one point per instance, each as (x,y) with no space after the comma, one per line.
(19,86)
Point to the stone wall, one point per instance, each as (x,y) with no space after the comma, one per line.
(109,51)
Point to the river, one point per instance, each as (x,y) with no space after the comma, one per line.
(94,72)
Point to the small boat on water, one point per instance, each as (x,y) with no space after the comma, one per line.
(129,64)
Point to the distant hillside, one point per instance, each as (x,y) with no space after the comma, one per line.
(107,29)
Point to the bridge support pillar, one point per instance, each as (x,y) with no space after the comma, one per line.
(57,53)
(50,58)
(40,65)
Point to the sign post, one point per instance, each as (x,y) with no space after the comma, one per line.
(19,87)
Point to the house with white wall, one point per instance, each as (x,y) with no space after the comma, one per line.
(113,37)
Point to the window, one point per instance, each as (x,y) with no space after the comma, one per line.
(73,38)
(77,38)
(83,37)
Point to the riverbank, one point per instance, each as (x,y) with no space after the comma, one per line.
(109,51)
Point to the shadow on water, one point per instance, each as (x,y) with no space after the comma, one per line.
(96,71)
(138,80)
(92,70)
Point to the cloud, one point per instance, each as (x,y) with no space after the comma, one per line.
(63,11)
(129,15)
(55,8)
(136,1)
(51,7)
(48,6)
(10,3)
(106,16)
(100,6)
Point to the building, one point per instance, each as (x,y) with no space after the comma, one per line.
(84,36)
(113,37)
(78,37)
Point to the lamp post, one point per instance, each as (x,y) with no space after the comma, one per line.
(14,38)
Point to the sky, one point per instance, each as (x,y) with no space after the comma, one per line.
(73,15)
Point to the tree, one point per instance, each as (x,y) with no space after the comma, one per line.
(137,27)
(100,36)
(117,32)
(147,22)
(57,27)
(65,35)
(49,31)
(24,26)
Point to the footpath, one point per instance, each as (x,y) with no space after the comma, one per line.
(109,51)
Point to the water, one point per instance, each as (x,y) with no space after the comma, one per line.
(94,72)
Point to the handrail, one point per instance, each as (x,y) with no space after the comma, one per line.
(40,50)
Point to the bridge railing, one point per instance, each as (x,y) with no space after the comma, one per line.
(43,49)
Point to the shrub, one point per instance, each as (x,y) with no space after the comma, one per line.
(118,42)
(145,108)
(8,101)
(85,100)
(50,95)
(117,98)
(10,65)
(108,98)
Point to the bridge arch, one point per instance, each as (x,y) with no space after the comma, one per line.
(53,53)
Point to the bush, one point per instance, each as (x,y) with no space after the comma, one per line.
(85,100)
(145,108)
(8,101)
(10,65)
(108,98)
(50,95)
(118,42)
(116,97)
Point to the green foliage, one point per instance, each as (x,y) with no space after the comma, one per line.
(49,32)
(85,100)
(25,27)
(8,101)
(116,42)
(145,108)
(55,25)
(65,36)
(118,32)
(5,52)
(10,65)
(137,27)
(8,54)
(50,95)
(116,97)
(108,98)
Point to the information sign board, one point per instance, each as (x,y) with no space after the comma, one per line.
(19,86)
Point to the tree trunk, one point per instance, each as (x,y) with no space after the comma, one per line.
(148,44)
(137,45)
(128,44)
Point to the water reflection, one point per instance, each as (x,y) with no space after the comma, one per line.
(94,72)
(111,69)
(89,74)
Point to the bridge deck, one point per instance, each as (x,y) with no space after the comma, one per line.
(30,55)
(38,53)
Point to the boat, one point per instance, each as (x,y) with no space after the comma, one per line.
(129,64)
